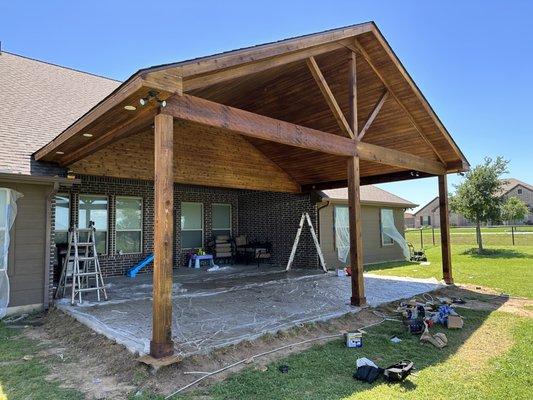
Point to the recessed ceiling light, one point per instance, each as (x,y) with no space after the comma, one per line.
(88,134)
(130,108)
(60,152)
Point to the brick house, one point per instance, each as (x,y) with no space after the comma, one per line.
(236,143)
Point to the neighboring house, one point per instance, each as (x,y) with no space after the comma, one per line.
(240,147)
(409,219)
(524,191)
(377,247)
(429,214)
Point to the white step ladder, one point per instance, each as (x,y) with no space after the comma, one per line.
(306,217)
(81,268)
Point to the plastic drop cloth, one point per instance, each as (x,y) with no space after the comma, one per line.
(342,232)
(8,213)
(216,309)
(389,228)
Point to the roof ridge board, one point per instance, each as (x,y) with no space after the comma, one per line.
(256,47)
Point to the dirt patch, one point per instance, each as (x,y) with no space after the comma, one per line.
(103,369)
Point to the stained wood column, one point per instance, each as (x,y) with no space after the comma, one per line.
(445,230)
(354,197)
(161,344)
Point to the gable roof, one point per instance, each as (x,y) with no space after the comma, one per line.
(238,79)
(433,203)
(370,195)
(511,183)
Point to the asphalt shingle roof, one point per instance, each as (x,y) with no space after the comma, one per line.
(40,100)
(370,195)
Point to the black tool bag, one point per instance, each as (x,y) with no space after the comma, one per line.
(399,371)
(367,373)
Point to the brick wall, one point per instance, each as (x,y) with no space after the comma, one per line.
(259,215)
(275,217)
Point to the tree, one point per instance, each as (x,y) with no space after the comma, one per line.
(514,209)
(478,196)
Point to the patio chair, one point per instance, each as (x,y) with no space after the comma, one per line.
(223,249)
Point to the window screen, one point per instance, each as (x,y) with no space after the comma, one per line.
(62,218)
(192,225)
(94,208)
(129,211)
(221,219)
(386,215)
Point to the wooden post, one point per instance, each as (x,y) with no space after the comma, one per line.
(512,233)
(356,243)
(421,238)
(445,230)
(161,344)
(354,198)
(433,233)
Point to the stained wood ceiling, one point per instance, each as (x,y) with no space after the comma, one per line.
(287,92)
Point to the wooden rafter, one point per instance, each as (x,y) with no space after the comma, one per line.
(373,115)
(356,47)
(131,127)
(206,112)
(328,96)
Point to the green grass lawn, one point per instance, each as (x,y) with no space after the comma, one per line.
(488,359)
(23,370)
(508,269)
(498,236)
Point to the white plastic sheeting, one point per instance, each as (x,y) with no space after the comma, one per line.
(389,228)
(342,232)
(216,309)
(8,213)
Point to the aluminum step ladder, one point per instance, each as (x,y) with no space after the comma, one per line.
(81,268)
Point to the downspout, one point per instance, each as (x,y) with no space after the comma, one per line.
(48,243)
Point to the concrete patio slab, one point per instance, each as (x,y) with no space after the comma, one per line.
(216,309)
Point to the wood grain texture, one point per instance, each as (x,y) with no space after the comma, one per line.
(445,230)
(161,344)
(329,98)
(204,156)
(205,112)
(356,233)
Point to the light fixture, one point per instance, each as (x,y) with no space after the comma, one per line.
(130,107)
(152,94)
(88,134)
(60,152)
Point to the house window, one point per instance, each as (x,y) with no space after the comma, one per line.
(62,218)
(386,222)
(421,220)
(192,225)
(94,208)
(221,219)
(425,220)
(129,211)
(519,191)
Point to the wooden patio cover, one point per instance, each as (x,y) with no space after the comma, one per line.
(326,110)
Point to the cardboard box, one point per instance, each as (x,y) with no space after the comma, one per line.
(354,339)
(454,322)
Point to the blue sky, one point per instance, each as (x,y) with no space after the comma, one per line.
(473,60)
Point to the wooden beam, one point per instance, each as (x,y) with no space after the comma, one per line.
(161,344)
(206,112)
(445,230)
(328,96)
(352,93)
(130,127)
(201,81)
(356,47)
(396,158)
(367,180)
(356,234)
(254,54)
(373,115)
